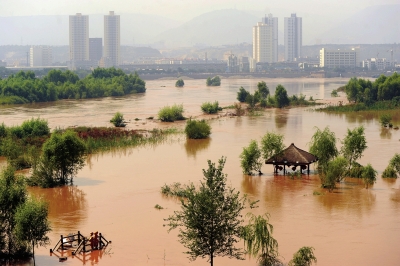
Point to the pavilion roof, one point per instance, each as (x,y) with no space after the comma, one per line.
(292,156)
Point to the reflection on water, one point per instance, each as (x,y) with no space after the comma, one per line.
(251,185)
(281,118)
(386,133)
(193,146)
(67,207)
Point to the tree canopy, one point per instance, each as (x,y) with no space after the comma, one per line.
(281,97)
(215,81)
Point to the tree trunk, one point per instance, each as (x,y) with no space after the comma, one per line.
(212,260)
(33,252)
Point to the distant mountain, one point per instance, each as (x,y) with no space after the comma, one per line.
(136,29)
(228,26)
(373,25)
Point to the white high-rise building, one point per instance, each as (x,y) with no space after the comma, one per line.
(40,56)
(112,38)
(265,40)
(78,40)
(293,37)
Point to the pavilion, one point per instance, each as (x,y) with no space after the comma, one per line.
(292,157)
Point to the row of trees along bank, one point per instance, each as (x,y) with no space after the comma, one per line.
(24,87)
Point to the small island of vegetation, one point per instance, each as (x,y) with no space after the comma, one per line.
(25,87)
(179,83)
(215,81)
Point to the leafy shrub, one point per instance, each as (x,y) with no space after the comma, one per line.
(303,257)
(239,111)
(177,190)
(385,119)
(215,81)
(250,158)
(389,172)
(197,129)
(179,83)
(242,94)
(31,128)
(334,93)
(281,97)
(210,108)
(171,113)
(118,120)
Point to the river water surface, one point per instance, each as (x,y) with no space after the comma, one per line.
(115,193)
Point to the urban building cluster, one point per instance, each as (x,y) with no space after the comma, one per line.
(85,52)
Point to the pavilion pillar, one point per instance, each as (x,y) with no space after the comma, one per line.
(308,169)
(284,169)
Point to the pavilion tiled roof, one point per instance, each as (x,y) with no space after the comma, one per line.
(292,156)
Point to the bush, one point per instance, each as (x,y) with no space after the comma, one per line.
(385,119)
(250,158)
(171,113)
(242,95)
(303,257)
(31,128)
(215,81)
(210,108)
(281,97)
(334,93)
(179,83)
(118,120)
(197,129)
(389,172)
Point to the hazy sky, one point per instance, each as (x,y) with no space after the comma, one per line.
(185,9)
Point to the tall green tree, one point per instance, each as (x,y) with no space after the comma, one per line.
(323,145)
(334,172)
(62,157)
(32,225)
(271,144)
(354,144)
(250,158)
(12,195)
(263,89)
(259,242)
(210,219)
(281,97)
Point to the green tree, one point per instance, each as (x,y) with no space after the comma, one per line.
(179,83)
(258,240)
(263,89)
(303,257)
(250,158)
(197,129)
(354,144)
(12,195)
(210,108)
(171,113)
(281,97)
(118,120)
(334,172)
(209,219)
(323,145)
(271,145)
(395,162)
(242,95)
(385,120)
(31,224)
(62,157)
(215,81)
(369,175)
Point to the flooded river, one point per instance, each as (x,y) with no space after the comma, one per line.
(116,192)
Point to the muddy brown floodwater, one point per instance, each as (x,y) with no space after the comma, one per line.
(116,192)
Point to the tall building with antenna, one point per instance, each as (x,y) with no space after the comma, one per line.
(265,40)
(293,37)
(112,39)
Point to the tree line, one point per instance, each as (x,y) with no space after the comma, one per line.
(25,87)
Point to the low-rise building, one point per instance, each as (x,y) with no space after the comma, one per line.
(376,64)
(339,58)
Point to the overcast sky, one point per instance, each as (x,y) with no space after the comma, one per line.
(186,9)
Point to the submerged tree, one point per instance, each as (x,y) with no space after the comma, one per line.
(334,172)
(179,83)
(258,240)
(63,156)
(210,218)
(250,158)
(281,97)
(303,257)
(323,145)
(32,224)
(369,175)
(354,144)
(118,120)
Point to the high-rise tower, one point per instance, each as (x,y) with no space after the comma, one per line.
(78,39)
(293,37)
(265,40)
(112,38)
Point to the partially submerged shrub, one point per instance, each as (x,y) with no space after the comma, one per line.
(215,81)
(179,83)
(242,94)
(197,129)
(177,190)
(171,113)
(303,257)
(210,108)
(389,172)
(118,120)
(385,119)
